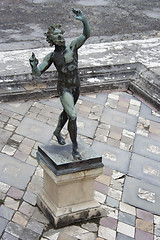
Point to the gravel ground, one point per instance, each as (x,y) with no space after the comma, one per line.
(24,22)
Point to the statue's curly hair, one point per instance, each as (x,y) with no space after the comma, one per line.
(50,31)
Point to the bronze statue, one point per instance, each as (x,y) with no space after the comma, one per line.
(65,59)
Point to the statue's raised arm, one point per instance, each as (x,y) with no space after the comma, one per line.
(78,14)
(37,70)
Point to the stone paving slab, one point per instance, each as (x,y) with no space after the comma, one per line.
(6,212)
(34,129)
(9,236)
(148,170)
(113,157)
(3,223)
(86,127)
(121,236)
(14,229)
(14,172)
(127,218)
(119,119)
(99,99)
(53,102)
(146,112)
(142,195)
(63,236)
(17,107)
(5,135)
(28,234)
(147,147)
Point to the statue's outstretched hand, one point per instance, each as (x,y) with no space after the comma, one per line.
(78,14)
(33,60)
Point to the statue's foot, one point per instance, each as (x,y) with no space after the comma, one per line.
(60,139)
(76,155)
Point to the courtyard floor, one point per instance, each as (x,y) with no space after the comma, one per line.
(120,127)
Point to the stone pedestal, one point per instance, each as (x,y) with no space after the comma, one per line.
(68,189)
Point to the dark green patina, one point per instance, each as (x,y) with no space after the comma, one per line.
(65,59)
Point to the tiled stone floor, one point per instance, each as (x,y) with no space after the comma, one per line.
(125,131)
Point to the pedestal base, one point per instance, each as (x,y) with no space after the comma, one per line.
(64,216)
(68,187)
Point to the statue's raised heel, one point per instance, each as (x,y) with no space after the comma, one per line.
(60,139)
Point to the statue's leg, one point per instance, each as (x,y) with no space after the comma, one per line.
(75,94)
(72,128)
(61,122)
(68,103)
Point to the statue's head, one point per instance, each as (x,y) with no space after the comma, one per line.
(55,35)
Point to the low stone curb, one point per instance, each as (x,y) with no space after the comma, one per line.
(135,77)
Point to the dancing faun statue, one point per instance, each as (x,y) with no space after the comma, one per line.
(65,59)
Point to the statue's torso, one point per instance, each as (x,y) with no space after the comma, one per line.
(66,63)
